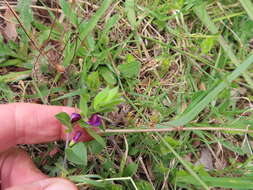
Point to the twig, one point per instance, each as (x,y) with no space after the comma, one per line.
(35,7)
(170,129)
(146,172)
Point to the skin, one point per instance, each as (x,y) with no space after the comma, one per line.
(23,123)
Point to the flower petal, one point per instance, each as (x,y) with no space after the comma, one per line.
(75,117)
(94,120)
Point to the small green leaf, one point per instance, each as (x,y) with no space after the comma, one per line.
(95,147)
(77,154)
(207,44)
(129,7)
(131,68)
(144,185)
(93,81)
(98,138)
(108,25)
(106,99)
(111,94)
(100,98)
(107,75)
(64,119)
(91,43)
(25,12)
(130,170)
(68,11)
(85,179)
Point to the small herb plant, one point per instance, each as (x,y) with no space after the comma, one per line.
(87,121)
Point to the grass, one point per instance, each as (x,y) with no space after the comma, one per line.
(183,64)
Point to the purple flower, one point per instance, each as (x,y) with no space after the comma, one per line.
(77,136)
(75,117)
(94,120)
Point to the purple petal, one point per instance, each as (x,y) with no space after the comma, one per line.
(75,117)
(77,136)
(94,120)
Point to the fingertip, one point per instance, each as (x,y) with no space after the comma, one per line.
(58,183)
(47,184)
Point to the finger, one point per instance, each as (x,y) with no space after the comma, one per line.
(23,123)
(47,184)
(17,168)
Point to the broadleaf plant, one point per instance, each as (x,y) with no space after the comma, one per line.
(87,122)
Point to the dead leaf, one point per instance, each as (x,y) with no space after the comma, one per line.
(9,31)
(205,159)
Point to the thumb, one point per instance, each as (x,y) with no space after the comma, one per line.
(19,173)
(47,184)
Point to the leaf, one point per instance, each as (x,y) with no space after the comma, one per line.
(92,23)
(64,119)
(86,180)
(68,95)
(100,97)
(95,147)
(93,81)
(106,100)
(15,76)
(130,169)
(205,159)
(207,45)
(110,106)
(111,95)
(144,185)
(77,154)
(25,12)
(107,75)
(246,146)
(131,68)
(129,7)
(248,6)
(68,11)
(98,138)
(108,25)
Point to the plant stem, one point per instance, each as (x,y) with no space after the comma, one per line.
(170,129)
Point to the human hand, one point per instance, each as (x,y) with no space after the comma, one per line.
(23,123)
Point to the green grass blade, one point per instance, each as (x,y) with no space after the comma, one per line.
(248,6)
(84,29)
(94,19)
(205,18)
(187,167)
(129,7)
(68,95)
(191,114)
(25,11)
(222,182)
(15,76)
